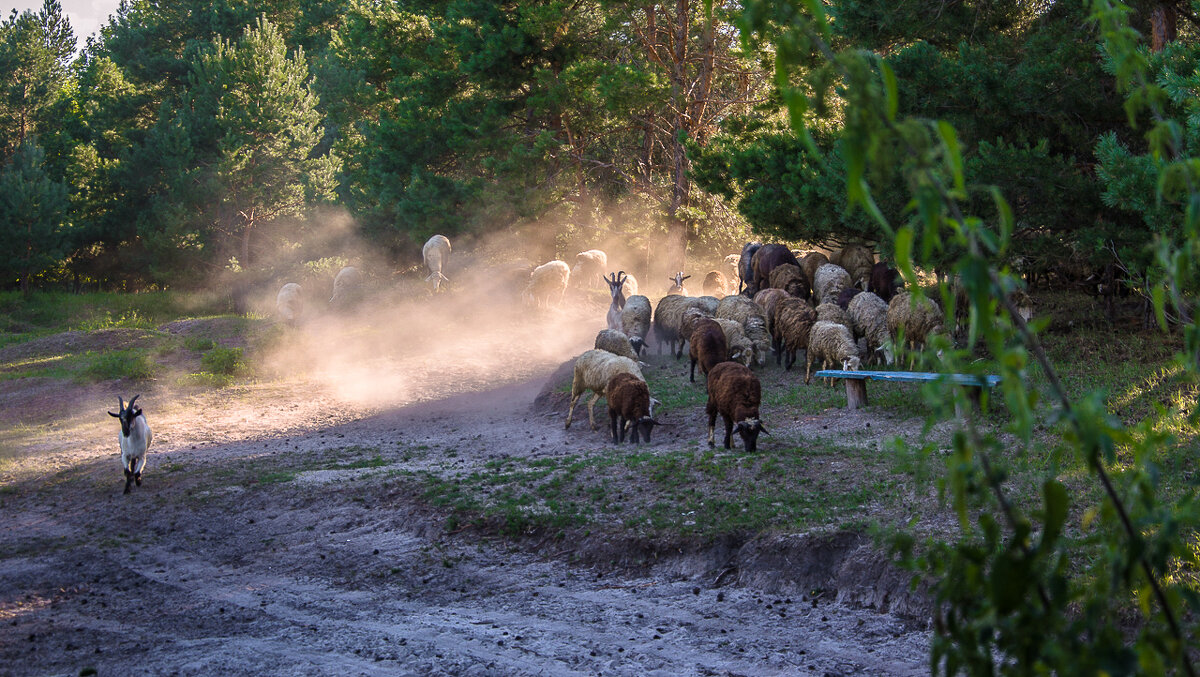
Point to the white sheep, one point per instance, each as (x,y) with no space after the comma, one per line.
(615,342)
(741,309)
(829,281)
(546,281)
(289,303)
(346,287)
(135,438)
(741,349)
(868,319)
(589,268)
(832,312)
(730,263)
(436,254)
(668,320)
(593,370)
(832,344)
(635,321)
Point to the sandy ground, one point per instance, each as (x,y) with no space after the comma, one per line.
(212,568)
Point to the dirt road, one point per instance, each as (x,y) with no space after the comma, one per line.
(217,565)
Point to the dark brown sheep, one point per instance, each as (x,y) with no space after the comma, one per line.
(794,319)
(629,408)
(735,393)
(884,282)
(768,300)
(847,295)
(707,346)
(810,263)
(790,279)
(766,259)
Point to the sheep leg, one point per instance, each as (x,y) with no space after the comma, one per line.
(571,409)
(128,479)
(807,368)
(614,420)
(712,426)
(591,416)
(728,430)
(693,376)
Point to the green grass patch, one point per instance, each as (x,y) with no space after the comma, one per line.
(40,313)
(199,343)
(133,364)
(226,361)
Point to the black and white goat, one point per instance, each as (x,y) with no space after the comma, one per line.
(135,439)
(616,283)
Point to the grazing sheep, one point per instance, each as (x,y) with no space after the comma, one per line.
(714,284)
(884,281)
(708,304)
(857,260)
(707,346)
(134,438)
(589,268)
(832,344)
(868,319)
(615,342)
(766,259)
(545,282)
(730,263)
(735,393)
(668,321)
(635,321)
(832,312)
(768,299)
(791,279)
(616,287)
(741,349)
(962,308)
(917,321)
(750,315)
(289,303)
(593,370)
(690,317)
(347,287)
(436,254)
(831,279)
(846,295)
(794,319)
(677,288)
(629,406)
(746,266)
(809,264)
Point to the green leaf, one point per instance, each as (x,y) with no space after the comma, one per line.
(953,155)
(1055,496)
(891,88)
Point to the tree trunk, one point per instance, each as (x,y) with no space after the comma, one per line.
(1164,26)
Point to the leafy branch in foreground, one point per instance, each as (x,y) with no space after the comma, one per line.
(1022,590)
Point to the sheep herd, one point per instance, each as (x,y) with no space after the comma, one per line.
(843,310)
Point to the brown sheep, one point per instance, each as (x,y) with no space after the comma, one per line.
(768,300)
(746,266)
(794,319)
(917,320)
(846,296)
(715,284)
(735,393)
(668,318)
(707,346)
(857,260)
(790,279)
(884,282)
(629,408)
(809,264)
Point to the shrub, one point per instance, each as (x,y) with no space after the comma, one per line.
(228,361)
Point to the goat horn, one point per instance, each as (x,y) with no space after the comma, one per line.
(133,399)
(120,404)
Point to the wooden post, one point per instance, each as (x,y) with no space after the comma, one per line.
(856,392)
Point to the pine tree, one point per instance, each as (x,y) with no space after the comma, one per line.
(33,210)
(35,53)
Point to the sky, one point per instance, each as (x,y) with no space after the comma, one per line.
(86,16)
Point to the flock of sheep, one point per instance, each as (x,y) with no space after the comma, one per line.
(842,310)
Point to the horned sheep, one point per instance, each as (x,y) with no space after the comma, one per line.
(635,321)
(735,393)
(830,280)
(593,370)
(616,287)
(832,344)
(436,254)
(546,281)
(135,438)
(677,288)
